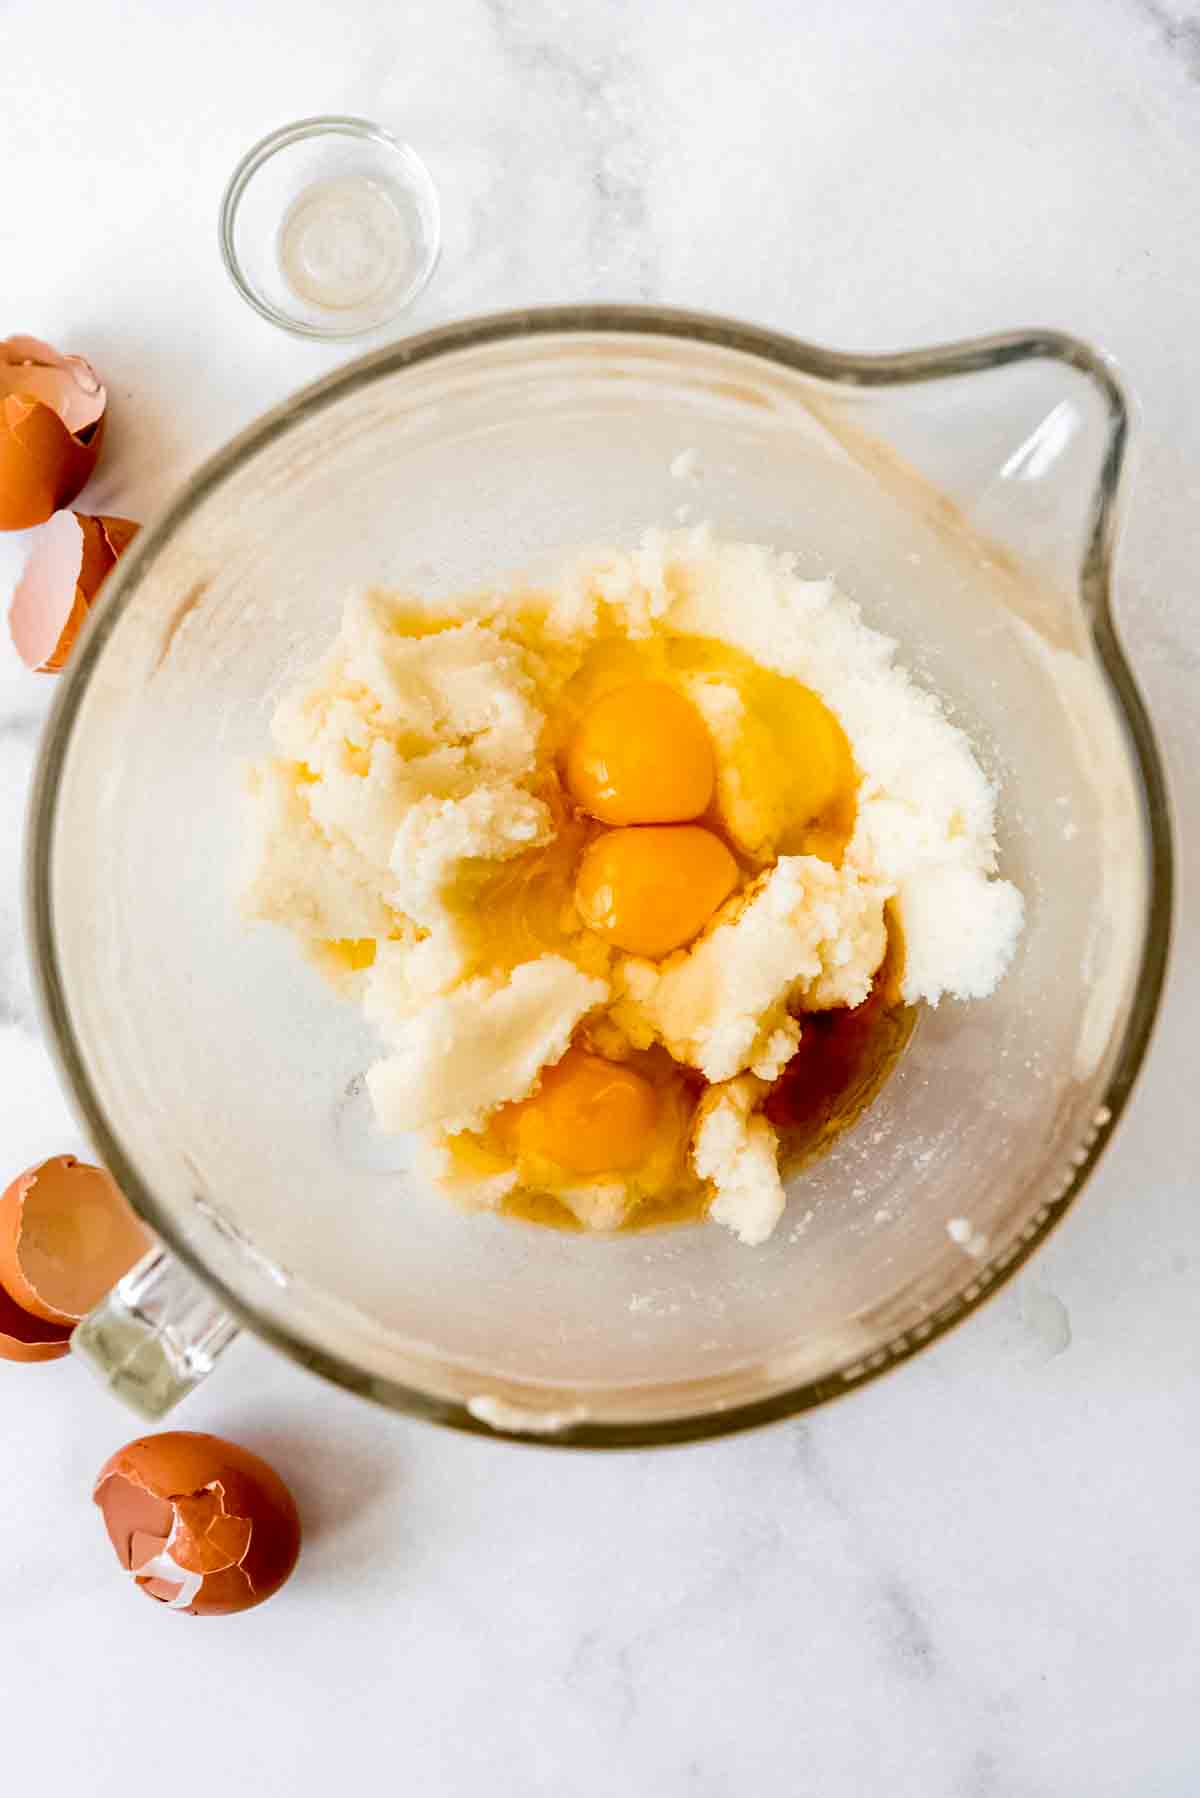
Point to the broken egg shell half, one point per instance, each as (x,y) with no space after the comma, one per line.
(66,567)
(26,1338)
(203,1525)
(67,1236)
(52,412)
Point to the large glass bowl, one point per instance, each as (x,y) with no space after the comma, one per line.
(963,495)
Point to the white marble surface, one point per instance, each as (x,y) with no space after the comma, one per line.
(979,1578)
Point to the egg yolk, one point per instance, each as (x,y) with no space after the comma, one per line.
(787,782)
(352,952)
(649,890)
(589,1115)
(641,755)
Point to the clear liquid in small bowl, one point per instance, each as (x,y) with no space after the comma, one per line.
(345,243)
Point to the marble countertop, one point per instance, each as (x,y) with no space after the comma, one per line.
(978,1578)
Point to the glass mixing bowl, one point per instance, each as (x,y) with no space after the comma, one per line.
(963,495)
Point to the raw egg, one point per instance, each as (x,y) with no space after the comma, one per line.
(589,1116)
(651,889)
(203,1525)
(348,954)
(641,755)
(61,579)
(786,782)
(66,1238)
(603,1141)
(51,424)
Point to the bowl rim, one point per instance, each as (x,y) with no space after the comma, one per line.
(837,367)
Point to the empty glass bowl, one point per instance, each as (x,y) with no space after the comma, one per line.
(963,495)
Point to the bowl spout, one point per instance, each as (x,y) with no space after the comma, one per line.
(1019,439)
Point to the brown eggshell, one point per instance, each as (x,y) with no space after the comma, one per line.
(25,1338)
(66,567)
(119,533)
(203,1525)
(66,1237)
(52,411)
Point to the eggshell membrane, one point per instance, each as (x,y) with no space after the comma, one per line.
(52,413)
(218,1511)
(64,573)
(67,383)
(66,1237)
(26,1338)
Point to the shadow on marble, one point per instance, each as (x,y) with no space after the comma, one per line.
(338,1480)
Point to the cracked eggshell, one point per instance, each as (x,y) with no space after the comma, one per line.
(67,1236)
(203,1525)
(67,564)
(52,412)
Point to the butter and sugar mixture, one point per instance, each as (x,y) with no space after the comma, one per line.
(589,856)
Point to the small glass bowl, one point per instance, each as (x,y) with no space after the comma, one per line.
(330,227)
